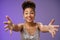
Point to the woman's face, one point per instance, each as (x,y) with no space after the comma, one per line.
(29,14)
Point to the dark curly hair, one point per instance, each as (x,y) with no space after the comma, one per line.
(28,4)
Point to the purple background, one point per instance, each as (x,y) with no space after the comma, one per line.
(45,11)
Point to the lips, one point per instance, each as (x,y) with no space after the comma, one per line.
(29,18)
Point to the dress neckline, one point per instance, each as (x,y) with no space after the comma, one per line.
(29,33)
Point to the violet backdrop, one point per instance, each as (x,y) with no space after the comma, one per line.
(45,11)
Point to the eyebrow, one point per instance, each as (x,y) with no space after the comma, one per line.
(26,11)
(31,10)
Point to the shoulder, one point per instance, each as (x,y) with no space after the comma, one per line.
(39,23)
(20,24)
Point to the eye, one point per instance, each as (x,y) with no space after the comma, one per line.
(26,13)
(32,12)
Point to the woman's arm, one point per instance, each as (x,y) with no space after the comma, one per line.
(43,28)
(49,28)
(12,27)
(18,27)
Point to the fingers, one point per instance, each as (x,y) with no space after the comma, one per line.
(9,22)
(9,25)
(5,22)
(11,32)
(51,22)
(53,33)
(6,29)
(56,26)
(6,26)
(7,17)
(50,31)
(55,29)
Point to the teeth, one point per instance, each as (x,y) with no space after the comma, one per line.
(29,18)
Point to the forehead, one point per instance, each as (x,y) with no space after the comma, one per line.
(29,9)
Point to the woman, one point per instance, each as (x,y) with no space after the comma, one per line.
(30,30)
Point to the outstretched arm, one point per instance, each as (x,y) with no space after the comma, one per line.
(12,27)
(49,28)
(45,28)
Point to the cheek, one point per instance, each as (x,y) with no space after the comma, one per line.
(25,16)
(33,15)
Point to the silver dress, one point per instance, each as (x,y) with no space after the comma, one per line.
(26,36)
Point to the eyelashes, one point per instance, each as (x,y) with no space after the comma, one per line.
(29,13)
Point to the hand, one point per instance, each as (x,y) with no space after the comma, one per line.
(9,24)
(53,28)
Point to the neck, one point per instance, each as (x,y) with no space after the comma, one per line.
(29,23)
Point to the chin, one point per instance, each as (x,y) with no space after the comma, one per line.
(29,21)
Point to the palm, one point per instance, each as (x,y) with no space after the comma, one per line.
(52,28)
(8,24)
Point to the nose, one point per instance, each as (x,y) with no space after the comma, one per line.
(29,14)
